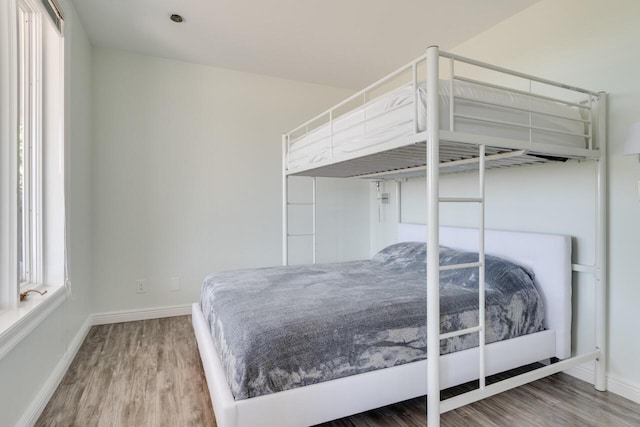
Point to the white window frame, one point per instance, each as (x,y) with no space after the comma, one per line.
(30,114)
(47,107)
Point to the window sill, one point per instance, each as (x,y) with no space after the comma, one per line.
(16,324)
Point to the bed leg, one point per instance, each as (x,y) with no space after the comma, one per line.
(601,250)
(433,229)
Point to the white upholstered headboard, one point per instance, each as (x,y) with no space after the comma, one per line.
(547,255)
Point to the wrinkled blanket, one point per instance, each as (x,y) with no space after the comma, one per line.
(284,327)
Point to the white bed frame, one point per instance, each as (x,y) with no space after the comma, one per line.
(454,148)
(549,256)
(430,153)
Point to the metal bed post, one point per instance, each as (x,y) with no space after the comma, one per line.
(416,110)
(398,203)
(433,251)
(313,215)
(481,272)
(601,250)
(451,95)
(285,202)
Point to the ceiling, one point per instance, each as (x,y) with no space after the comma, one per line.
(342,43)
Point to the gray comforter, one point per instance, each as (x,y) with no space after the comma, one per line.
(285,327)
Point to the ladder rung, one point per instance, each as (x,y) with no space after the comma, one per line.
(460,266)
(461,199)
(300,235)
(460,332)
(583,268)
(300,204)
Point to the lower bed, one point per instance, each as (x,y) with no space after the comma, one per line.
(356,318)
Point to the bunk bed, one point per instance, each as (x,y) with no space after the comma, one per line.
(468,121)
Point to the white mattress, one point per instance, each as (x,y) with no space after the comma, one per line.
(391,115)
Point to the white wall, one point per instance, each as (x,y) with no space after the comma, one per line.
(25,370)
(187,176)
(593,44)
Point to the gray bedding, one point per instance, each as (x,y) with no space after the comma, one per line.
(284,327)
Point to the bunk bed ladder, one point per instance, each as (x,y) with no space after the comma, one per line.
(312,234)
(434,336)
(285,210)
(480,265)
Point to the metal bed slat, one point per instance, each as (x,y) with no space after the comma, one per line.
(420,170)
(489,157)
(384,166)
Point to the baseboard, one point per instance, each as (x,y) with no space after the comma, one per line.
(38,404)
(141,314)
(36,407)
(615,385)
(581,372)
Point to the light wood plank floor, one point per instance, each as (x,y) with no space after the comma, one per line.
(148,373)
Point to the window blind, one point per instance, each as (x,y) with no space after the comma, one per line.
(55,12)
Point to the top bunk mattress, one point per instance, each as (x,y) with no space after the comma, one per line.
(391,116)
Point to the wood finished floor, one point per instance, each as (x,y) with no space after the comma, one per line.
(149,373)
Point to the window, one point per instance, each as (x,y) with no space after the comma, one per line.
(32,220)
(29,197)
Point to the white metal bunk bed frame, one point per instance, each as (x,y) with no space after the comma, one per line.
(516,150)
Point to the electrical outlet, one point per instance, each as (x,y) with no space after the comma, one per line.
(141,286)
(174,284)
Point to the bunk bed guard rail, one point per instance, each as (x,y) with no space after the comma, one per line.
(520,118)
